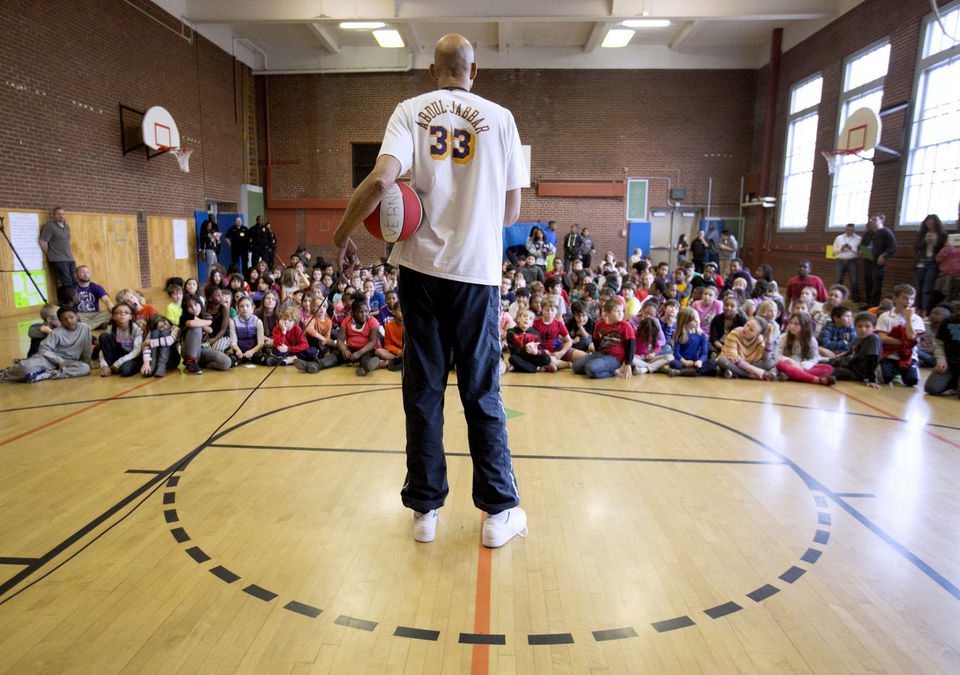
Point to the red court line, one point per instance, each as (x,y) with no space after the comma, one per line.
(480,663)
(894,417)
(51,423)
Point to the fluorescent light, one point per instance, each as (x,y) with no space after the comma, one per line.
(646,23)
(388,38)
(617,37)
(361,25)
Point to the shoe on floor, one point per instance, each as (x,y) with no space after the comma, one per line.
(313,367)
(300,365)
(497,533)
(397,364)
(38,375)
(425,526)
(273,361)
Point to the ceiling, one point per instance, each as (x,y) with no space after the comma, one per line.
(304,35)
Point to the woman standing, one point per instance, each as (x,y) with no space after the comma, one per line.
(683,247)
(699,250)
(930,239)
(539,247)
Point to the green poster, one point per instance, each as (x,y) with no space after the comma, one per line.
(24,292)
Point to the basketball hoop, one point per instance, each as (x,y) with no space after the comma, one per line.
(834,158)
(860,133)
(182,155)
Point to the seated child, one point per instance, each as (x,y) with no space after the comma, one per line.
(745,352)
(668,323)
(507,295)
(196,328)
(707,307)
(899,330)
(614,345)
(319,333)
(648,358)
(357,339)
(289,340)
(836,336)
(554,337)
(38,332)
(836,296)
(520,303)
(580,326)
(121,343)
(175,306)
(629,293)
(65,352)
(932,323)
(946,350)
(798,355)
(391,353)
(860,361)
(553,288)
(247,339)
(723,323)
(691,348)
(160,352)
(386,313)
(526,351)
(769,311)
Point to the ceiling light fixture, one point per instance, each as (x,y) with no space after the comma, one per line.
(617,37)
(361,25)
(389,38)
(646,23)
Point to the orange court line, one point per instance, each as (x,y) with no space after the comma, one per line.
(480,663)
(894,417)
(46,425)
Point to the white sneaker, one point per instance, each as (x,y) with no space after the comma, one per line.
(496,534)
(425,526)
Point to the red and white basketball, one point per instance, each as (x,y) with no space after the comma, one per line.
(397,216)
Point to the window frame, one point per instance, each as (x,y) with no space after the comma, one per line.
(922,65)
(792,118)
(874,85)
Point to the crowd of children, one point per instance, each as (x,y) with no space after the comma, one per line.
(609,321)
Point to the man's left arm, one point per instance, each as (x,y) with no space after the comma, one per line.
(366,197)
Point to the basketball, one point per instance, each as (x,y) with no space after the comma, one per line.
(397,216)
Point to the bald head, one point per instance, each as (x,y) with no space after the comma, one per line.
(453,61)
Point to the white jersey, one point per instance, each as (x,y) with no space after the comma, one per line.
(464,152)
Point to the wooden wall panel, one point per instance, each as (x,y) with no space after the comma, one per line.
(162,263)
(107,243)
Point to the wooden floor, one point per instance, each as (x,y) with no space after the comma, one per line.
(250,521)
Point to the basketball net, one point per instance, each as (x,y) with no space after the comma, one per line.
(182,155)
(834,158)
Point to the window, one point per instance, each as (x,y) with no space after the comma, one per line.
(853,179)
(931,183)
(800,154)
(364,159)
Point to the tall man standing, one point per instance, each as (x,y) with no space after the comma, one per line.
(238,237)
(846,247)
(571,246)
(880,244)
(55,243)
(465,156)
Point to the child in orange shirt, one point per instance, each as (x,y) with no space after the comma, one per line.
(391,353)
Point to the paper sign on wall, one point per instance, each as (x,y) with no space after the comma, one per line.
(180,247)
(25,236)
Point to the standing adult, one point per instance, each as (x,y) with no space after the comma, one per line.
(209,241)
(468,167)
(930,239)
(571,246)
(551,233)
(698,250)
(728,247)
(845,249)
(539,248)
(586,247)
(683,248)
(55,244)
(876,247)
(257,241)
(238,236)
(89,297)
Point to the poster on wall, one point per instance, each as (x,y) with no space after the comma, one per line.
(25,235)
(180,247)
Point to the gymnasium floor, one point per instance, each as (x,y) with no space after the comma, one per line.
(250,521)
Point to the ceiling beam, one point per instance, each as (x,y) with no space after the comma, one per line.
(597,33)
(411,37)
(324,37)
(687,33)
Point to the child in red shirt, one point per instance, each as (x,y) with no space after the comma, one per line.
(358,337)
(289,340)
(614,344)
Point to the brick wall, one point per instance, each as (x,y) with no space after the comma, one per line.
(824,52)
(582,125)
(65,67)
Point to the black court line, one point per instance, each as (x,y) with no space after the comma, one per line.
(197,554)
(823,518)
(260,593)
(482,639)
(722,610)
(353,622)
(550,639)
(152,472)
(864,495)
(821,537)
(12,560)
(762,593)
(416,633)
(180,535)
(673,624)
(614,634)
(224,574)
(811,556)
(514,455)
(301,608)
(792,574)
(169,497)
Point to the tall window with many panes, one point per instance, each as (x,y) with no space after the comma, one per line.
(853,178)
(931,183)
(801,152)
